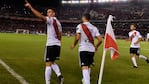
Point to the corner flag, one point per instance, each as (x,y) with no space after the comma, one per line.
(110,41)
(109,44)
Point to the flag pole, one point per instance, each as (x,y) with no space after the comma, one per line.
(102,67)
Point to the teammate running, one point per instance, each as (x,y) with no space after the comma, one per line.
(86,32)
(135,38)
(53,44)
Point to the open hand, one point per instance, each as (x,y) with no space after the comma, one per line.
(72,47)
(28,5)
(96,49)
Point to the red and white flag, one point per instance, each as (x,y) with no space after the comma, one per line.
(110,41)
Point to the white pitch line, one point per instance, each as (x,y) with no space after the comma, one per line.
(13,73)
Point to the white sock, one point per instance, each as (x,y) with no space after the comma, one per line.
(56,69)
(134,61)
(48,72)
(142,57)
(86,76)
(89,71)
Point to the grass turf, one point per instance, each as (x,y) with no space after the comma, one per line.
(24,54)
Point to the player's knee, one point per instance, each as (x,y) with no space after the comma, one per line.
(132,55)
(49,63)
(85,67)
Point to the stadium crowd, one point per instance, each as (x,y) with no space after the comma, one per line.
(100,12)
(74,11)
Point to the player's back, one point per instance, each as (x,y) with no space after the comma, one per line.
(85,44)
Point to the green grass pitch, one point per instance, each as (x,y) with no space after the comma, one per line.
(25,54)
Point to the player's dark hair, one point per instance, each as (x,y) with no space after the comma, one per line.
(53,9)
(134,24)
(87,16)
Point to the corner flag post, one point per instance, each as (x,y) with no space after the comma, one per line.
(109,44)
(102,67)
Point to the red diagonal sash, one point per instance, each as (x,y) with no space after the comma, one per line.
(56,29)
(88,33)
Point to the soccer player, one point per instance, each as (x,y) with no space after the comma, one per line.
(86,33)
(53,44)
(147,36)
(135,38)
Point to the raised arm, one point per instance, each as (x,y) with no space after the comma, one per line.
(35,12)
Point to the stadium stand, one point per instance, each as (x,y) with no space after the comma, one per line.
(12,17)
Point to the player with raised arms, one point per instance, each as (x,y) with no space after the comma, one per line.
(86,33)
(52,52)
(135,38)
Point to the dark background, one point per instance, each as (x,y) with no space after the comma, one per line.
(43,3)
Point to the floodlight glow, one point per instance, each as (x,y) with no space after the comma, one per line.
(64,1)
(75,2)
(68,1)
(99,1)
(89,1)
(107,0)
(84,1)
(124,0)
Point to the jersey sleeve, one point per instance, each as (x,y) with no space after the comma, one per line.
(78,29)
(97,32)
(129,34)
(139,35)
(48,20)
(59,26)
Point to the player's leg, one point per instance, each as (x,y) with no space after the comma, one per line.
(55,67)
(48,69)
(141,56)
(86,59)
(86,75)
(144,58)
(91,61)
(48,72)
(133,58)
(89,70)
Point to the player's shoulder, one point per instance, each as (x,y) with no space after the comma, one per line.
(94,27)
(48,19)
(79,25)
(137,32)
(130,32)
(56,18)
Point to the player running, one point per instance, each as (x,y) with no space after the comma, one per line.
(86,32)
(135,38)
(53,44)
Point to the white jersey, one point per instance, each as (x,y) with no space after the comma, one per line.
(85,44)
(147,35)
(51,34)
(135,37)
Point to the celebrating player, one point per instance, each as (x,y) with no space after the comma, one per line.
(86,32)
(135,38)
(53,44)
